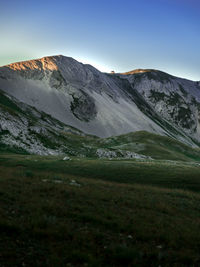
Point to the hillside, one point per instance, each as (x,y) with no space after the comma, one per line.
(23,129)
(26,130)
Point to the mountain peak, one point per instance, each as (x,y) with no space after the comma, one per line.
(50,63)
(44,63)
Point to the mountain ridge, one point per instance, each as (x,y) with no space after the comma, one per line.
(55,57)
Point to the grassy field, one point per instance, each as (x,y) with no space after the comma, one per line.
(154,145)
(98,212)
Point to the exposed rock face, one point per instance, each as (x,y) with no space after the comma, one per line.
(107,104)
(106,153)
(83,107)
(176,100)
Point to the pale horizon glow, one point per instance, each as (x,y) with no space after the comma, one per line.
(112,36)
(106,68)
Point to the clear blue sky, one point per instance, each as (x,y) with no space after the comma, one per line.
(111,35)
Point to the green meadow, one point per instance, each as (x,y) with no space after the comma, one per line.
(98,212)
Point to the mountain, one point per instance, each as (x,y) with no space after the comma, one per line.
(76,95)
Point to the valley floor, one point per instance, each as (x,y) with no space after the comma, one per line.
(98,212)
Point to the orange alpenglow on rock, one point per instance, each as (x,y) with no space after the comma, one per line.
(47,63)
(137,71)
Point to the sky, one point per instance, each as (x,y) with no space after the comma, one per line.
(119,35)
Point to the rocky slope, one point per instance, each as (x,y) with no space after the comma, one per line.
(176,100)
(23,129)
(106,104)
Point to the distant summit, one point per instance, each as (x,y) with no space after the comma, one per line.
(137,71)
